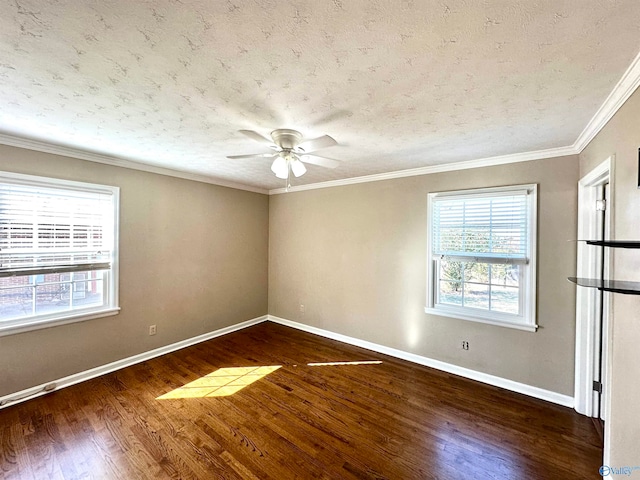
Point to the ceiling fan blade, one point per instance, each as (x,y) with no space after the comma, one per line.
(317,143)
(252,155)
(257,137)
(318,160)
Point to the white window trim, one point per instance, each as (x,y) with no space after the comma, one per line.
(528,321)
(38,322)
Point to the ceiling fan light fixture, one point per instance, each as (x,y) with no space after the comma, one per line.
(297,167)
(290,151)
(280,167)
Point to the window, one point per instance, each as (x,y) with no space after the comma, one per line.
(481,255)
(58,244)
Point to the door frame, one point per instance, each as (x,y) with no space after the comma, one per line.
(587,329)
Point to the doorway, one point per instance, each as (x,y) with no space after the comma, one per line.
(592,305)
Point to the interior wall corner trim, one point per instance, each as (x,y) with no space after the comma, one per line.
(39,390)
(536,392)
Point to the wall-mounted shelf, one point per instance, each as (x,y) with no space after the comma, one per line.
(613,243)
(615,286)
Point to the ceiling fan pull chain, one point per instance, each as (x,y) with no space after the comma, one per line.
(288,176)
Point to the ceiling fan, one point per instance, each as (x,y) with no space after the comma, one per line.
(290,152)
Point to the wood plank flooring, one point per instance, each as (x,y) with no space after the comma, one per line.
(392,420)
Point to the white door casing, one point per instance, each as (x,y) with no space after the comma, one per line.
(587,299)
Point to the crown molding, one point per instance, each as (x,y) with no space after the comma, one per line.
(619,95)
(621,92)
(45,147)
(625,87)
(448,167)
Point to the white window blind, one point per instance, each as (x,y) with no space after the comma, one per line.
(58,252)
(54,230)
(490,227)
(482,255)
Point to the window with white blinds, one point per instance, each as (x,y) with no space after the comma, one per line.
(57,250)
(482,255)
(492,227)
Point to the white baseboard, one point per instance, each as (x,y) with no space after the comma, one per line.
(518,387)
(40,390)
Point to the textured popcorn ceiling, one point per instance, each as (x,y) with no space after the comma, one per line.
(399,84)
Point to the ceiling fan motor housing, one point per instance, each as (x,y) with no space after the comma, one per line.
(286,139)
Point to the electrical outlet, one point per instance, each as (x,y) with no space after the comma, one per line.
(301,308)
(465,345)
(152,330)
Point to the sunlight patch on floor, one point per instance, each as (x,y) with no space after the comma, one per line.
(221,383)
(329,364)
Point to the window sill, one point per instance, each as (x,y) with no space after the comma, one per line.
(22,326)
(497,323)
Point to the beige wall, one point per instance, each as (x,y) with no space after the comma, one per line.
(355,257)
(193,259)
(621,137)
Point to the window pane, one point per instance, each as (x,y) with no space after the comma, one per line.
(476,296)
(80,285)
(505,275)
(52,278)
(450,293)
(55,292)
(479,281)
(89,292)
(505,299)
(15,302)
(452,271)
(53,297)
(476,272)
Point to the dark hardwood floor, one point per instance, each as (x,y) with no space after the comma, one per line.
(392,419)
